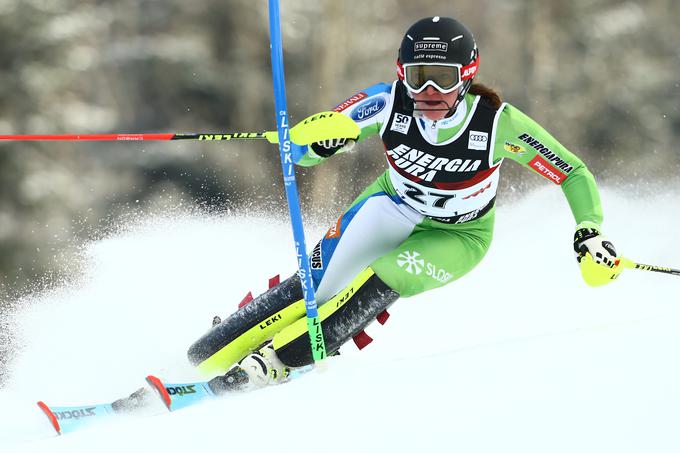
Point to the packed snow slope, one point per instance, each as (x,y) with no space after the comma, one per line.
(518,356)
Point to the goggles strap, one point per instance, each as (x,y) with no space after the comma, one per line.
(400,70)
(469,71)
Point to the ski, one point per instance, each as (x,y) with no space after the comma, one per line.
(66,419)
(175,396)
(178,396)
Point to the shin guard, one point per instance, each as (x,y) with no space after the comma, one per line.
(248,328)
(342,318)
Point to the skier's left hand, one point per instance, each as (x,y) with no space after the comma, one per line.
(589,240)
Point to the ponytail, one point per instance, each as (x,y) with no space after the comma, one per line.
(487,93)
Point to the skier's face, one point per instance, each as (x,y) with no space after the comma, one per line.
(434,104)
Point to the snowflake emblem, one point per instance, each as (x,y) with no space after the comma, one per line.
(411,262)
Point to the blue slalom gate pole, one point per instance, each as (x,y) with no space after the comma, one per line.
(285,149)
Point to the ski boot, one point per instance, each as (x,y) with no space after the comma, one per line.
(256,370)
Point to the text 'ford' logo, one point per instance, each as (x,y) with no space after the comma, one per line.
(368,109)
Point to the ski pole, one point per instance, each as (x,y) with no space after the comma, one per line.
(318,127)
(597,274)
(649,267)
(270,136)
(287,165)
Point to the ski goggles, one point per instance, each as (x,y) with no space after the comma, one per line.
(444,77)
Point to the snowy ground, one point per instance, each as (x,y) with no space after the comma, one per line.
(519,356)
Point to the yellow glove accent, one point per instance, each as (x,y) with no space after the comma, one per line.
(598,274)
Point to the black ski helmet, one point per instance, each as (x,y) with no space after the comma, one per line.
(440,40)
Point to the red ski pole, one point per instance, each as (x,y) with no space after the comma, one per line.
(272,137)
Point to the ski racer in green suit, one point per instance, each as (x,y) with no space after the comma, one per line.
(424,223)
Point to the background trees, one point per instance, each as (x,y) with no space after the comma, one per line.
(601,75)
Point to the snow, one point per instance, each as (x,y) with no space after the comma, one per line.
(520,355)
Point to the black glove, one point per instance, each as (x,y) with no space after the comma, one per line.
(326,148)
(589,240)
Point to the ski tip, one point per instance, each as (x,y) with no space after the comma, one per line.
(50,416)
(158,385)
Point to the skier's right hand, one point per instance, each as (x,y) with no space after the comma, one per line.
(597,257)
(589,240)
(326,148)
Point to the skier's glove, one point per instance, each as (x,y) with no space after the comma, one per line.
(589,240)
(326,148)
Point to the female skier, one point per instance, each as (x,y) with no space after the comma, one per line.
(424,223)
